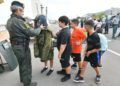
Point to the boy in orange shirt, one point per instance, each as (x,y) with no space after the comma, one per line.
(77,38)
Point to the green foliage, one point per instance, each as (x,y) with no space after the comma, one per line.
(99,15)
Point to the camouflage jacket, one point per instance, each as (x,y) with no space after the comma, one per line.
(43,44)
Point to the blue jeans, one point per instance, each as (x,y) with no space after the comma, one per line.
(114,30)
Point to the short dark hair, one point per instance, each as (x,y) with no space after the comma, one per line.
(64,19)
(90,23)
(76,21)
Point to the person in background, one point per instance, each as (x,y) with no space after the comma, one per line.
(106,26)
(115,22)
(99,25)
(118,30)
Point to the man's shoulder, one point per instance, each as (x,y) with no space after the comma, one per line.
(15,20)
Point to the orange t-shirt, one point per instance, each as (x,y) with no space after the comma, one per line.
(77,36)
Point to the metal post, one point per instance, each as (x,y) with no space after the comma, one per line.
(41,8)
(37,9)
(46,12)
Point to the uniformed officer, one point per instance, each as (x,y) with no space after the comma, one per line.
(20,34)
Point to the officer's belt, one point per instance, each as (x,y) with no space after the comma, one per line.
(19,41)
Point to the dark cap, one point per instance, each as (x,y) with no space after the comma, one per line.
(17,3)
(42,20)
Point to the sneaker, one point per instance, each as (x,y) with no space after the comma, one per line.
(98,79)
(66,78)
(79,79)
(74,66)
(61,72)
(50,72)
(44,69)
(33,84)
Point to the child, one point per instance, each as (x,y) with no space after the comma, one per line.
(77,38)
(64,48)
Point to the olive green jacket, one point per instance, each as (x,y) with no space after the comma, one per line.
(43,45)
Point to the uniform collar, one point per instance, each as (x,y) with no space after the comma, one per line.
(19,17)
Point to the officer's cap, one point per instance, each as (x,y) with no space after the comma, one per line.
(17,3)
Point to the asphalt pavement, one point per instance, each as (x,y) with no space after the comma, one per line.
(110,71)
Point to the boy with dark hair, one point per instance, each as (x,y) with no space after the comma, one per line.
(64,48)
(93,46)
(77,38)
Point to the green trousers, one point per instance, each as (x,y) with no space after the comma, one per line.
(23,55)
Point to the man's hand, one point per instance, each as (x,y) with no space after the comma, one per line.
(59,56)
(42,27)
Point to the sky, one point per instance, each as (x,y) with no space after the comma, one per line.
(73,8)
(56,8)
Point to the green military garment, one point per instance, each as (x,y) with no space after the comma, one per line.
(20,35)
(43,47)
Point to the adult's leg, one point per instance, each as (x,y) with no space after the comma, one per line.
(24,60)
(27,68)
(114,31)
(117,32)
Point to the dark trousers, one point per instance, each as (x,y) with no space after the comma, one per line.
(106,29)
(23,55)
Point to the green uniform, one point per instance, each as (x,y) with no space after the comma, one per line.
(20,34)
(43,48)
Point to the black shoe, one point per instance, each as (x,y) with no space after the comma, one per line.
(50,72)
(66,78)
(44,69)
(33,84)
(74,66)
(61,72)
(79,79)
(98,79)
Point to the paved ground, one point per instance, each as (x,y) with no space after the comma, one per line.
(110,71)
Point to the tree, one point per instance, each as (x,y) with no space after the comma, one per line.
(1,1)
(99,15)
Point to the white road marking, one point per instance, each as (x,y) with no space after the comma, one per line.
(114,52)
(109,40)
